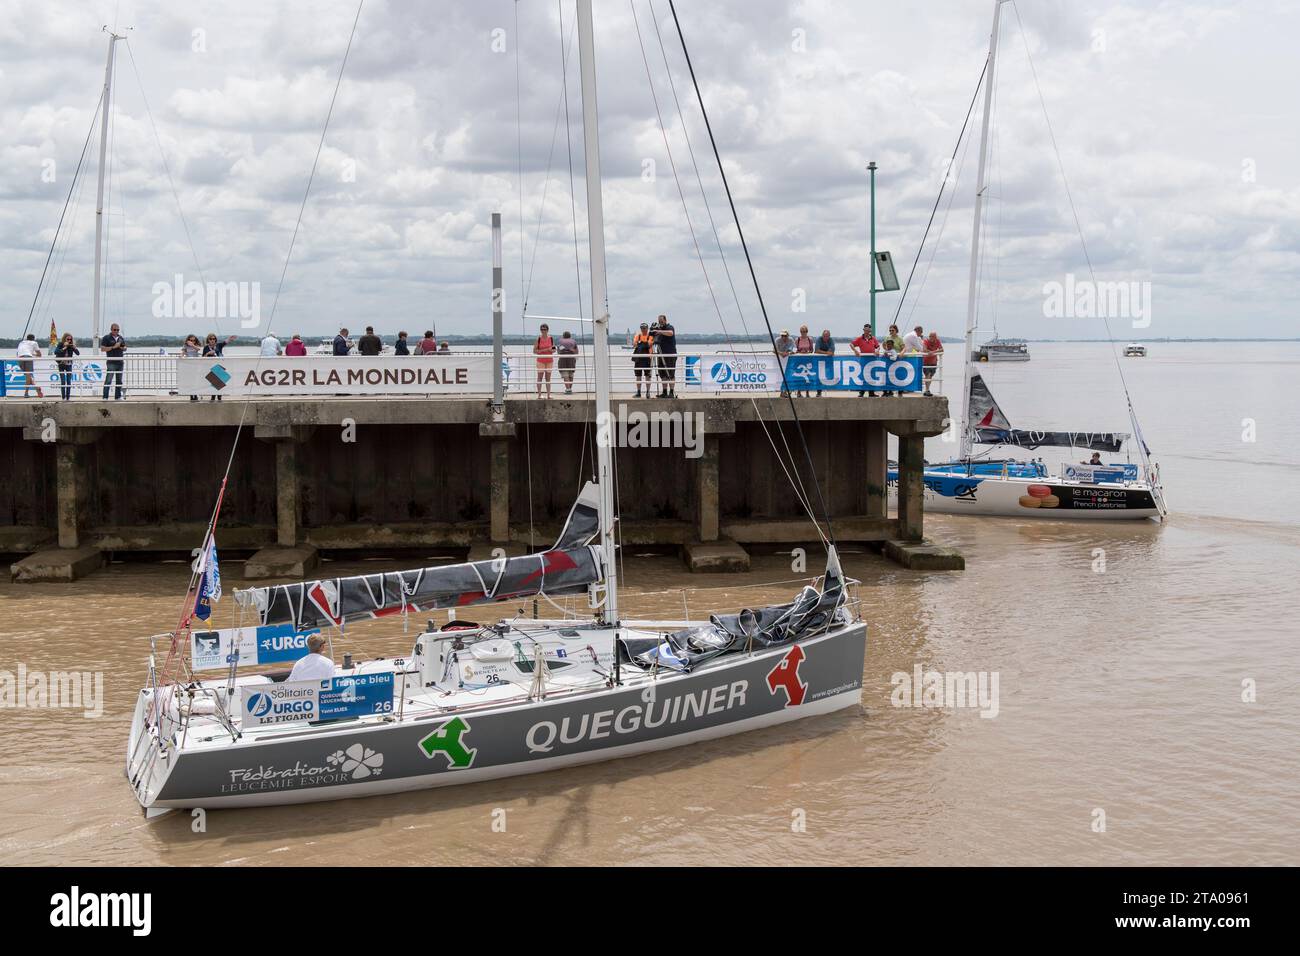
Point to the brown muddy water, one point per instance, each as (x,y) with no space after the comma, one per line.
(1120,693)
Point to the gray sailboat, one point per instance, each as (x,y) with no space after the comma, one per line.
(476,702)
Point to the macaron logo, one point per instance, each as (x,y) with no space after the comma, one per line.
(1039,496)
(217,377)
(259,705)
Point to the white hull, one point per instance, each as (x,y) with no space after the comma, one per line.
(1050,498)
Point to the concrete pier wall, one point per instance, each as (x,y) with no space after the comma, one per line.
(372,474)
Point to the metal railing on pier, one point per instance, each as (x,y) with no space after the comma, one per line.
(155,375)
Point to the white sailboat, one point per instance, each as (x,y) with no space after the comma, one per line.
(1013,487)
(475,702)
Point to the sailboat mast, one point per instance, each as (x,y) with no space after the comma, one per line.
(599,308)
(972,300)
(99,199)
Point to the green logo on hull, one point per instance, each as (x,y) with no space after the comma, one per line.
(446,740)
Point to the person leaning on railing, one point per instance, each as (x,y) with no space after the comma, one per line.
(891,347)
(214,349)
(190,348)
(427,345)
(865,344)
(930,363)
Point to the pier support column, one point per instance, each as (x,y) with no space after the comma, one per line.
(708,477)
(877,471)
(72,476)
(911,487)
(74,558)
(72,485)
(288,490)
(499,489)
(499,477)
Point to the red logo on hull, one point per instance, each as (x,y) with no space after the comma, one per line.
(786,675)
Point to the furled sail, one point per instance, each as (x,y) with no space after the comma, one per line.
(811,612)
(1028,438)
(567,568)
(989,426)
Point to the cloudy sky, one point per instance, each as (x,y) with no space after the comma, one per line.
(1177,124)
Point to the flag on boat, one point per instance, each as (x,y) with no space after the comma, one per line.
(209,581)
(54,334)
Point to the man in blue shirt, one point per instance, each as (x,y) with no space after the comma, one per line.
(341,344)
(666,345)
(113,346)
(825,346)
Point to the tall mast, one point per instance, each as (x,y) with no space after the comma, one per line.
(99,201)
(599,308)
(972,300)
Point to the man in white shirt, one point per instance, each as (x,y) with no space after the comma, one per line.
(28,352)
(315,666)
(271,346)
(914,341)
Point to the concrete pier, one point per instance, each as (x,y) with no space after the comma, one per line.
(369,475)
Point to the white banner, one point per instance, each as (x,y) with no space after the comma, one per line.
(732,373)
(335,375)
(87,376)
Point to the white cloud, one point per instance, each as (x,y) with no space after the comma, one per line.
(1160,126)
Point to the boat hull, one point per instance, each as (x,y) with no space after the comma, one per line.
(1038,497)
(728,696)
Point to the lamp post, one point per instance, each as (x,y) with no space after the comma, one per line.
(871,168)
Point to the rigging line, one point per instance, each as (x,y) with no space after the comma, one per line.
(750,263)
(247,403)
(527,290)
(54,241)
(166,167)
(270,320)
(45,302)
(568,142)
(791,473)
(943,226)
(939,198)
(523,288)
(1060,164)
(573,213)
(695,166)
(672,164)
(519,157)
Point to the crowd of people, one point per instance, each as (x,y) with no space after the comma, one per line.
(654,355)
(893,345)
